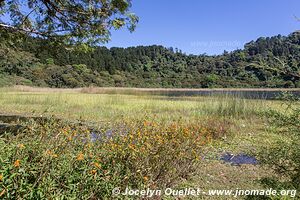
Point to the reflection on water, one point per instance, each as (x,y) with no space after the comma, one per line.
(248,94)
(239,159)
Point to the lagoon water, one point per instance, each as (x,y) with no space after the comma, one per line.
(248,94)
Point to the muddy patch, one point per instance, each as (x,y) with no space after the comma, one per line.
(15,123)
(10,128)
(10,119)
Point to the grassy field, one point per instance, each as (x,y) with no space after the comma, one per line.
(75,104)
(225,124)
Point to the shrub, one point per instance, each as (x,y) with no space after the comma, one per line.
(56,160)
(284,155)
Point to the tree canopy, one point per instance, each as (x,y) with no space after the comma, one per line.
(266,62)
(69,21)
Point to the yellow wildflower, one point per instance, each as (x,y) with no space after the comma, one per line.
(65,130)
(17,163)
(80,156)
(93,171)
(1,177)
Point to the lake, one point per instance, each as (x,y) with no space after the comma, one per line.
(248,94)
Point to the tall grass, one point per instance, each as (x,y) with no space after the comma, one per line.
(111,107)
(230,106)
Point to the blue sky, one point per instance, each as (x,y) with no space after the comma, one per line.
(208,26)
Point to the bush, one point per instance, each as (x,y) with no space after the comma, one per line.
(284,155)
(5,80)
(56,160)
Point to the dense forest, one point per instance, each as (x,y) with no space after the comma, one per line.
(267,62)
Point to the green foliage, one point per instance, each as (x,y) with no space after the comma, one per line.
(71,22)
(284,155)
(262,63)
(50,61)
(210,80)
(5,81)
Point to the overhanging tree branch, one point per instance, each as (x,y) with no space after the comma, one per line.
(79,21)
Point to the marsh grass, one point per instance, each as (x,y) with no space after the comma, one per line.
(147,117)
(111,107)
(232,107)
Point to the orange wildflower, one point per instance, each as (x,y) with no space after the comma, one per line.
(145,123)
(132,147)
(146,178)
(48,152)
(2,193)
(51,153)
(97,165)
(80,157)
(17,163)
(93,171)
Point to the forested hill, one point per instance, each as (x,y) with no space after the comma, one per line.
(266,62)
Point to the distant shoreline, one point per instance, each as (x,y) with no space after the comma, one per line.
(22,88)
